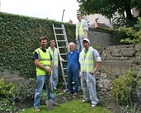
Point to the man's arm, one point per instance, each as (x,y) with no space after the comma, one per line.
(85,33)
(98,61)
(85,26)
(51,65)
(37,64)
(97,65)
(60,58)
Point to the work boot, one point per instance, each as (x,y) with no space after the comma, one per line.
(55,88)
(55,104)
(37,109)
(93,106)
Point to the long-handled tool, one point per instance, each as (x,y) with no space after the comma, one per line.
(49,101)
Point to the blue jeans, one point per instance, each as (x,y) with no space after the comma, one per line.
(80,44)
(73,76)
(41,80)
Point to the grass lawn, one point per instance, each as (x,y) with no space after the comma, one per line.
(74,106)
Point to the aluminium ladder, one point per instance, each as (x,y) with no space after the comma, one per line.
(62,45)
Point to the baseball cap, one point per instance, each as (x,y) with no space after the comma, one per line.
(86,39)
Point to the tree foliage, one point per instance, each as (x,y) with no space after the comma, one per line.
(127,34)
(109,7)
(133,33)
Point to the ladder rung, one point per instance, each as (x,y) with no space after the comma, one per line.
(60,34)
(61,47)
(65,61)
(58,28)
(63,53)
(66,83)
(61,40)
(64,68)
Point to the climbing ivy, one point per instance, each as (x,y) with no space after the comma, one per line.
(19,38)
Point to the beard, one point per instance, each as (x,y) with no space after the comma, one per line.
(43,46)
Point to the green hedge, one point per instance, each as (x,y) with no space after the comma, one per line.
(19,38)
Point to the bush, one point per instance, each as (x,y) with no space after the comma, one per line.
(122,29)
(10,94)
(24,90)
(6,90)
(7,106)
(124,86)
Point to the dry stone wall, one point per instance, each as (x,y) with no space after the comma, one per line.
(11,77)
(116,60)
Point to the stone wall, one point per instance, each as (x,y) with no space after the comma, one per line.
(99,37)
(11,77)
(115,61)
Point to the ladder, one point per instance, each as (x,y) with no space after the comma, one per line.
(62,45)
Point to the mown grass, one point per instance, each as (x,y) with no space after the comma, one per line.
(74,106)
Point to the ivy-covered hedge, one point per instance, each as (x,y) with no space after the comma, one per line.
(19,38)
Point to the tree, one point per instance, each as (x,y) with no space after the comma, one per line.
(109,7)
(133,33)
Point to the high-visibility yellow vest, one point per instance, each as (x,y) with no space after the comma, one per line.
(80,29)
(54,55)
(44,59)
(87,60)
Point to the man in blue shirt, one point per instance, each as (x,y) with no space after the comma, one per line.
(73,68)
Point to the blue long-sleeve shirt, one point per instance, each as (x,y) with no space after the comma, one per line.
(73,60)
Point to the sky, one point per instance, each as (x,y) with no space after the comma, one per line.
(51,9)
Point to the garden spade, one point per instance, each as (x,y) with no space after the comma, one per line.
(49,101)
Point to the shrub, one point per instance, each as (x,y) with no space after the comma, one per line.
(25,90)
(7,106)
(6,90)
(10,94)
(124,86)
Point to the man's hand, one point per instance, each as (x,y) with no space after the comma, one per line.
(62,59)
(80,74)
(83,37)
(48,70)
(93,71)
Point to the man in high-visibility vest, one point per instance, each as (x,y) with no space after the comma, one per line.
(55,54)
(43,62)
(89,62)
(81,31)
